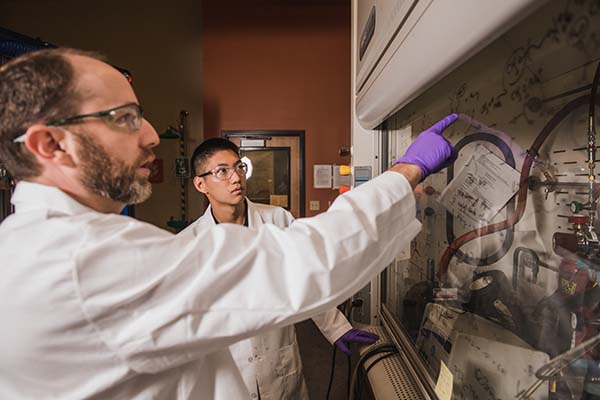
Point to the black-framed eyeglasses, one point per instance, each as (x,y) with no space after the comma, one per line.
(128,116)
(224,172)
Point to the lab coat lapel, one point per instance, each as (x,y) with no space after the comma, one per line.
(255,219)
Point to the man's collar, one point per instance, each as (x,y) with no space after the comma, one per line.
(30,196)
(212,214)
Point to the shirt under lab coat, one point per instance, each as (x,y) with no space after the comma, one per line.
(272,360)
(104,306)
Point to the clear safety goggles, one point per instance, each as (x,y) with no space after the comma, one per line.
(128,117)
(224,172)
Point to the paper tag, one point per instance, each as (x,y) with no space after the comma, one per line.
(481,189)
(443,387)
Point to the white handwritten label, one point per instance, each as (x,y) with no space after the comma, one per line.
(481,189)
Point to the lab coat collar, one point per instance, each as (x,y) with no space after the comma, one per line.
(209,209)
(253,216)
(29,196)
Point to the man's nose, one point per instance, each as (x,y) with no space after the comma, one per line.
(148,135)
(235,176)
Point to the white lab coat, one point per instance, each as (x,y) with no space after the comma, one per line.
(104,306)
(272,360)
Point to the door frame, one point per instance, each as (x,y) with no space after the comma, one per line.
(257,134)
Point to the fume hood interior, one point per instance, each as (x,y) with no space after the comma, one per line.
(501,286)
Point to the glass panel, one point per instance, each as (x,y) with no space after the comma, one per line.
(496,306)
(270,180)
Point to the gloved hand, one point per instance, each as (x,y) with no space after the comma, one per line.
(354,336)
(430,151)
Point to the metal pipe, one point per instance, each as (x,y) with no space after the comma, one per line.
(183,182)
(559,184)
(592,150)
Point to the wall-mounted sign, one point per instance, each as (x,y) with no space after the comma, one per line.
(252,143)
(362,174)
(156,171)
(340,179)
(182,167)
(322,176)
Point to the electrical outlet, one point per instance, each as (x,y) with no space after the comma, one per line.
(314,205)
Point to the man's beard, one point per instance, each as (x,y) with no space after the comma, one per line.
(109,177)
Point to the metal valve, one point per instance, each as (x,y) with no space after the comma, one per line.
(577,207)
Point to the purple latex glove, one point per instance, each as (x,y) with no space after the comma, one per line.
(354,336)
(430,151)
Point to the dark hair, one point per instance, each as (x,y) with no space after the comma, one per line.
(34,88)
(209,147)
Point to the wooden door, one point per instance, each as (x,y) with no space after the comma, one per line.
(277,168)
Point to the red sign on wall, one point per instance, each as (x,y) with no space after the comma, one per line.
(156,171)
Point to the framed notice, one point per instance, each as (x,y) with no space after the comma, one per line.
(322,176)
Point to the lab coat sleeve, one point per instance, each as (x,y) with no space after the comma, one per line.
(332,324)
(159,301)
(287,218)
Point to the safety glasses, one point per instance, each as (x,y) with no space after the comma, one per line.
(128,117)
(224,172)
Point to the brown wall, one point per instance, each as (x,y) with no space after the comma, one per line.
(270,64)
(280,65)
(159,42)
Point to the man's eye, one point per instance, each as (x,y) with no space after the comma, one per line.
(221,170)
(124,119)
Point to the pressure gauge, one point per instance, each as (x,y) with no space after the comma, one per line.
(576,207)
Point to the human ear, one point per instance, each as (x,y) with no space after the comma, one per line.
(199,184)
(48,144)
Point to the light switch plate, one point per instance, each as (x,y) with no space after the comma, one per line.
(314,205)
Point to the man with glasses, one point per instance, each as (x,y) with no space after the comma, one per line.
(99,305)
(270,363)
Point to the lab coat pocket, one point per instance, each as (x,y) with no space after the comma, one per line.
(293,379)
(289,358)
